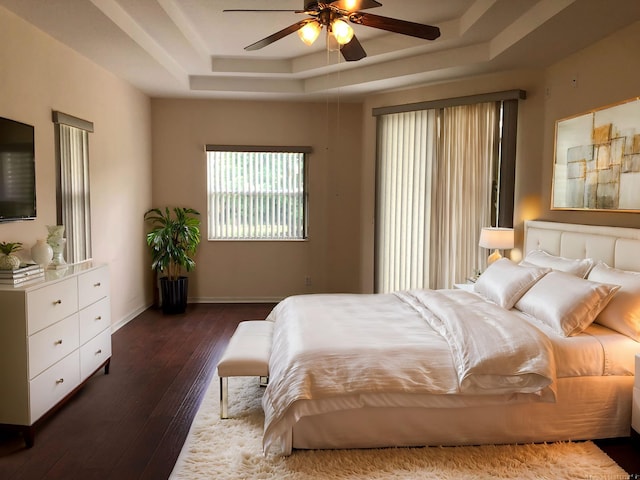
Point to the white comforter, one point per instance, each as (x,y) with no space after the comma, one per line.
(348,347)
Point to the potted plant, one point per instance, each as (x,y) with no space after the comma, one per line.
(9,261)
(173,239)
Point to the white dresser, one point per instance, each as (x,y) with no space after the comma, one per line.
(54,334)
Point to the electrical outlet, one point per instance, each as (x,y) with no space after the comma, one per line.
(307,281)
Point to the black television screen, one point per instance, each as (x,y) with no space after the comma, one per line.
(17,171)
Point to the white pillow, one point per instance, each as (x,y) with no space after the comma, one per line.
(568,304)
(504,282)
(622,314)
(540,258)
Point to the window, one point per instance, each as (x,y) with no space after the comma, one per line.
(257,193)
(73,205)
(444,170)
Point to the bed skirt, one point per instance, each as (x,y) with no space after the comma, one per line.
(586,408)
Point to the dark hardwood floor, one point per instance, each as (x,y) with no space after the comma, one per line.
(131,424)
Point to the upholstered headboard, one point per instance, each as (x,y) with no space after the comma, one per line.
(616,246)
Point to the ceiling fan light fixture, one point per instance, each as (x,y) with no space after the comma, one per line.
(309,32)
(342,31)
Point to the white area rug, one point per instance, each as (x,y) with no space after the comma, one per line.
(232,449)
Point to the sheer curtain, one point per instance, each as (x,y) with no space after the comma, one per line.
(463,180)
(434,194)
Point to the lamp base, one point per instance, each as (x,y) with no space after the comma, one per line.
(493,257)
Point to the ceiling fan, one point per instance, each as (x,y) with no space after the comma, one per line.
(334,16)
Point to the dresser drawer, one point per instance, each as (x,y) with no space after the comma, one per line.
(94,353)
(53,385)
(53,343)
(94,319)
(51,303)
(92,286)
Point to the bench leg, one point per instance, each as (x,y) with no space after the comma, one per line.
(224,396)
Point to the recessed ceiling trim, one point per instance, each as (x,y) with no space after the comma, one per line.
(252,65)
(229,84)
(532,19)
(126,23)
(418,64)
(177,16)
(474,13)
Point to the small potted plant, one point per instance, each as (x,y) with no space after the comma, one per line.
(173,239)
(9,261)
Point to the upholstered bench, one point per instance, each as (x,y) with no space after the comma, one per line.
(247,355)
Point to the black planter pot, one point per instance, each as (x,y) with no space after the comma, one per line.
(174,295)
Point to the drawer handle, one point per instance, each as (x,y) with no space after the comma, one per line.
(99,352)
(58,342)
(96,284)
(98,318)
(57,302)
(59,381)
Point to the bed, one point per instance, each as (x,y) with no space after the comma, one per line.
(516,361)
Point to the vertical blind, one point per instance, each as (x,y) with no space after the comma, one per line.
(256,195)
(74,192)
(406,143)
(433,195)
(74,206)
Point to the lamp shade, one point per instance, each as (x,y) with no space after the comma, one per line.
(309,32)
(496,237)
(342,32)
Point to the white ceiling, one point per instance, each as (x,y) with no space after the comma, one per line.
(190,48)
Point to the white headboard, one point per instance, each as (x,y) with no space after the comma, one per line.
(616,246)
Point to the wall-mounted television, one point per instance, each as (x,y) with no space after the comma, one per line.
(17,171)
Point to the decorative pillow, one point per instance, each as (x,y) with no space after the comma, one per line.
(568,304)
(540,258)
(622,314)
(504,282)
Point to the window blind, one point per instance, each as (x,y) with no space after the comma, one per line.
(256,195)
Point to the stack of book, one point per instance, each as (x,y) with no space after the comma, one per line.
(22,275)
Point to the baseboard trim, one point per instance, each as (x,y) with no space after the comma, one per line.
(235,299)
(115,327)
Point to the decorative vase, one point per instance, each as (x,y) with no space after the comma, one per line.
(57,243)
(42,252)
(9,262)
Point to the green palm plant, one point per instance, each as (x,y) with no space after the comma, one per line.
(173,239)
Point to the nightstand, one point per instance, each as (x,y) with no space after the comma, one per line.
(635,412)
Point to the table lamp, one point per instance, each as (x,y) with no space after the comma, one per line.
(496,238)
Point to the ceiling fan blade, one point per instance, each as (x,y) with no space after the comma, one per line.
(278,35)
(428,32)
(353,51)
(259,10)
(354,5)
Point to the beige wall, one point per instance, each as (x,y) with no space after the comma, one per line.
(37,75)
(607,72)
(230,271)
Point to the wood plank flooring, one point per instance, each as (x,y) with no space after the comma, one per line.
(131,424)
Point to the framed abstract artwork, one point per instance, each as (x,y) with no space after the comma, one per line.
(597,160)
